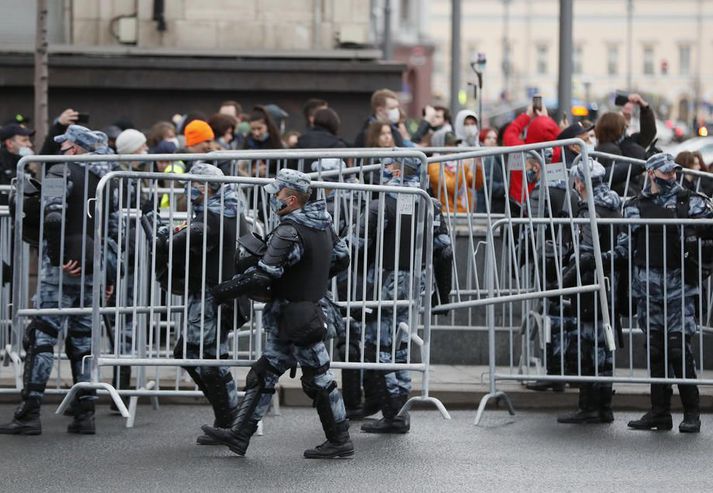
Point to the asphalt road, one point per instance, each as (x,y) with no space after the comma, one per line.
(526,452)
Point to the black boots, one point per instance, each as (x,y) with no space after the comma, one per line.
(26,420)
(653,421)
(691,423)
(83,422)
(217,391)
(594,405)
(236,439)
(390,423)
(587,408)
(338,444)
(659,417)
(542,385)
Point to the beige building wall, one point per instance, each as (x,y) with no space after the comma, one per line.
(675,32)
(289,25)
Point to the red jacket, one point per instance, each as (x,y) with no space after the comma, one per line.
(539,129)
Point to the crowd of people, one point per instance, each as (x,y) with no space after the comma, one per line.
(292,267)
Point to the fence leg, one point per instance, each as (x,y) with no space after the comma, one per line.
(432,400)
(96,386)
(498,396)
(133,400)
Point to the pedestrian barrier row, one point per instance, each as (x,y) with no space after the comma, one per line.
(138,318)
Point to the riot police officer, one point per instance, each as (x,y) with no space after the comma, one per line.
(302,253)
(215,208)
(391,389)
(596,359)
(66,188)
(665,286)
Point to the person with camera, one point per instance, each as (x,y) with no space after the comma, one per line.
(300,256)
(65,282)
(665,284)
(595,358)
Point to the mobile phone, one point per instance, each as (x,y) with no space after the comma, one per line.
(621,98)
(83,118)
(536,103)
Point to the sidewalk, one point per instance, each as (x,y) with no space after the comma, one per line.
(457,386)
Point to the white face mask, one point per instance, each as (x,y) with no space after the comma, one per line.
(589,147)
(25,151)
(394,115)
(175,141)
(470,130)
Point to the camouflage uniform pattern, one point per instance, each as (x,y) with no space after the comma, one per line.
(283,356)
(205,337)
(668,301)
(58,290)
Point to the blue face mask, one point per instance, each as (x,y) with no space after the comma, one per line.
(664,185)
(531,176)
(276,205)
(387,175)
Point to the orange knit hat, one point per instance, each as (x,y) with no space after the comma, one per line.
(196,132)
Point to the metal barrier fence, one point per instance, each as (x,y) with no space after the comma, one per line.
(145,321)
(5,289)
(568,333)
(512,274)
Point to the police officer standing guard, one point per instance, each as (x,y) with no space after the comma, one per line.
(665,286)
(66,188)
(596,359)
(302,253)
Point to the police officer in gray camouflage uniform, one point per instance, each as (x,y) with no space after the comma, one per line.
(665,286)
(216,218)
(302,253)
(62,282)
(594,356)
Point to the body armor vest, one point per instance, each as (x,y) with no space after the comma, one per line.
(307,279)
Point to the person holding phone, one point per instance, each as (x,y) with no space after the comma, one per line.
(612,138)
(59,127)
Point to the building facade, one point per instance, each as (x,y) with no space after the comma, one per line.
(145,60)
(667,56)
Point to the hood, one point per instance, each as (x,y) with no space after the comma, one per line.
(313,215)
(101,168)
(227,206)
(607,198)
(542,129)
(459,124)
(438,139)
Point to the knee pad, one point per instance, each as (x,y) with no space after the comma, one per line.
(308,377)
(30,338)
(258,373)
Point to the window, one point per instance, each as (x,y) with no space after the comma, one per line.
(542,52)
(684,60)
(613,60)
(577,60)
(648,60)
